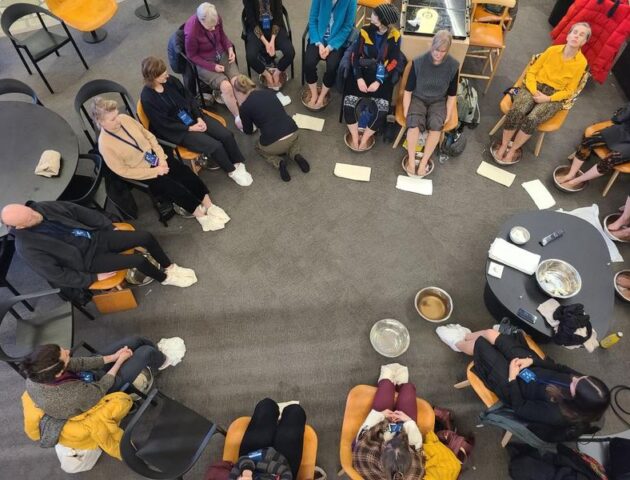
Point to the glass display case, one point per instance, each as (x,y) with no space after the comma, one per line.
(425,17)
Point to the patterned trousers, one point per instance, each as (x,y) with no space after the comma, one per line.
(529,114)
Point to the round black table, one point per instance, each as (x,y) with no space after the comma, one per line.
(27,130)
(581,245)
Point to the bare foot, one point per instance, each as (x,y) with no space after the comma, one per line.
(423,168)
(410,167)
(623,281)
(354,142)
(365,140)
(617,224)
(623,234)
(509,156)
(562,179)
(276,77)
(501,151)
(320,102)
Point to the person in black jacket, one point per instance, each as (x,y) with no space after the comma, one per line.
(558,403)
(175,116)
(73,246)
(266,35)
(271,448)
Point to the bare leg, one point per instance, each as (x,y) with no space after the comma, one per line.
(518,142)
(576,164)
(624,219)
(590,174)
(367,134)
(505,140)
(313,88)
(413,134)
(227,92)
(467,345)
(322,96)
(276,77)
(269,80)
(354,133)
(200,211)
(433,139)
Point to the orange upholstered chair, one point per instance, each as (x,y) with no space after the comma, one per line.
(87,16)
(400,117)
(237,430)
(486,396)
(358,406)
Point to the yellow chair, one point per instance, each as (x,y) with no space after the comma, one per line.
(87,16)
(400,117)
(237,430)
(551,125)
(486,396)
(358,406)
(487,41)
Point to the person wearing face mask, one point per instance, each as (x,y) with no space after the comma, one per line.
(429,99)
(174,115)
(558,403)
(374,59)
(551,79)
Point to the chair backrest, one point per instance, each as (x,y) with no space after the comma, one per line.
(92,89)
(16,11)
(142,116)
(177,439)
(7,250)
(11,85)
(97,173)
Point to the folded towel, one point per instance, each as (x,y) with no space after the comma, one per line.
(353,172)
(284,99)
(308,122)
(415,185)
(495,174)
(539,193)
(546,309)
(513,256)
(49,164)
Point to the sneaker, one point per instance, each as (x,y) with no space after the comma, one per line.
(176,279)
(241,177)
(218,212)
(284,173)
(452,334)
(302,163)
(186,272)
(209,223)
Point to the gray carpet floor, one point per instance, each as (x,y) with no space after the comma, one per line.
(288,292)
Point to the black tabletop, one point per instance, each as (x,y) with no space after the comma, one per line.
(581,245)
(26,131)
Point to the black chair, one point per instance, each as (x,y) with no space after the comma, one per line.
(45,326)
(82,188)
(7,250)
(287,26)
(11,85)
(177,438)
(40,44)
(304,44)
(92,89)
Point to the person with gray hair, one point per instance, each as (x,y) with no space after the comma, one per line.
(429,99)
(209,48)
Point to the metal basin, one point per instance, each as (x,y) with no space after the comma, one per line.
(434,304)
(558,279)
(389,337)
(624,294)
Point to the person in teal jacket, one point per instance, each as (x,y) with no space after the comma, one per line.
(330,25)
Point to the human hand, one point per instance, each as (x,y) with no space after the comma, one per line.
(246,475)
(322,52)
(525,362)
(120,351)
(202,125)
(541,98)
(373,86)
(219,68)
(270,48)
(389,415)
(515,368)
(401,416)
(162,169)
(103,276)
(231,55)
(125,355)
(362,85)
(326,52)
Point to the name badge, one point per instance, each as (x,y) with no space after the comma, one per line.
(151,158)
(185,117)
(527,375)
(79,232)
(380,72)
(256,456)
(395,428)
(265,21)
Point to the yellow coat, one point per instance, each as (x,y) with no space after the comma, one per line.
(98,427)
(440,462)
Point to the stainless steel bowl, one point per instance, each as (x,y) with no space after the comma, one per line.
(563,170)
(389,337)
(519,235)
(558,279)
(623,295)
(426,300)
(347,138)
(609,219)
(136,277)
(430,165)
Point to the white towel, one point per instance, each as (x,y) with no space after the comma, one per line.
(353,172)
(495,174)
(284,99)
(513,256)
(539,193)
(173,348)
(308,122)
(415,185)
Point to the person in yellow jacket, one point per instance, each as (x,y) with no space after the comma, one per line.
(553,78)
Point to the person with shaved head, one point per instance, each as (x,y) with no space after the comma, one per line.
(73,246)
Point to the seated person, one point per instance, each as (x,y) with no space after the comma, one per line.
(279,134)
(559,404)
(271,448)
(553,78)
(175,116)
(64,386)
(330,25)
(374,59)
(615,137)
(388,445)
(131,151)
(208,47)
(73,246)
(429,98)
(266,35)
(620,228)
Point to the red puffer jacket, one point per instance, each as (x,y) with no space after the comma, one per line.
(610,23)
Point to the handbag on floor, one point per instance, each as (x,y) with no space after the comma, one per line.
(461,446)
(219,470)
(74,460)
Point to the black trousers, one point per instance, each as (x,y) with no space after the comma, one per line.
(286,436)
(216,142)
(254,49)
(109,256)
(312,58)
(145,354)
(180,185)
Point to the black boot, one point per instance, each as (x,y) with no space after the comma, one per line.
(284,173)
(302,163)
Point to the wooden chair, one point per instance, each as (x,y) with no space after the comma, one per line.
(358,406)
(486,396)
(363,8)
(400,117)
(551,125)
(87,16)
(235,434)
(487,41)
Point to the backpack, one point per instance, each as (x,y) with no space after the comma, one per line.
(467,104)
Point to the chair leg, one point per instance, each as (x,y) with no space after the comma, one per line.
(494,70)
(539,143)
(497,126)
(95,36)
(42,76)
(15,314)
(76,47)
(340,473)
(613,177)
(463,384)
(28,69)
(399,137)
(83,311)
(506,439)
(16,293)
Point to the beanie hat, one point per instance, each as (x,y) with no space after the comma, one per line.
(388,14)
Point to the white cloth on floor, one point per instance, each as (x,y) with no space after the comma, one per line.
(283,405)
(422,186)
(539,193)
(76,460)
(516,257)
(174,348)
(353,172)
(495,174)
(308,122)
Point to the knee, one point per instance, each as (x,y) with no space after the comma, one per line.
(529,126)
(294,414)
(409,388)
(226,87)
(288,50)
(145,238)
(267,405)
(436,124)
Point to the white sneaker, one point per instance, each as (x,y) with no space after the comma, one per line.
(241,177)
(186,272)
(218,212)
(210,224)
(452,334)
(178,280)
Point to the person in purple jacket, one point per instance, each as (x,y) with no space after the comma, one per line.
(211,50)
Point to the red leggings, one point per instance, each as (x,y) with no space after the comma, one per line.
(406,401)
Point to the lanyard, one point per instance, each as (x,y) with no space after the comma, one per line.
(134,144)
